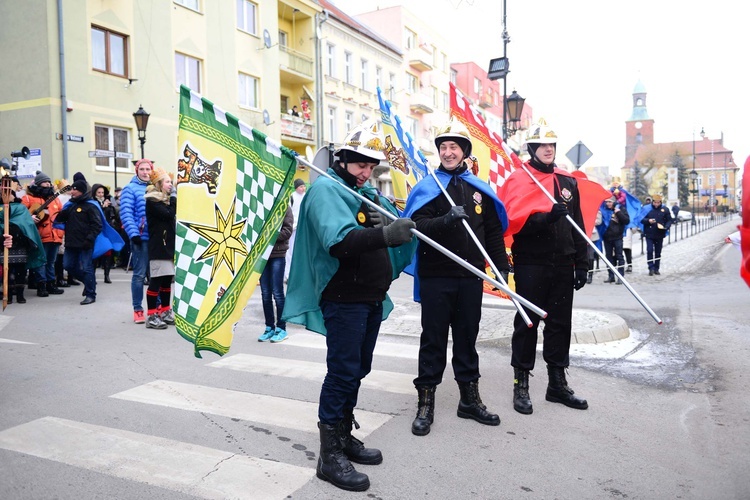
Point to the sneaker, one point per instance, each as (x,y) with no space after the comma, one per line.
(270,332)
(167,316)
(280,336)
(138,317)
(155,322)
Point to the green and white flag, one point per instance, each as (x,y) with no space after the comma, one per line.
(233,188)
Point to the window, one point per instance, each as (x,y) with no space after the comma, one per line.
(331,60)
(477,86)
(246,16)
(333,133)
(392,85)
(435,97)
(446,101)
(187,71)
(348,76)
(410,126)
(348,120)
(283,38)
(112,139)
(365,74)
(379,77)
(109,51)
(411,83)
(445,62)
(410,39)
(190,4)
(248,91)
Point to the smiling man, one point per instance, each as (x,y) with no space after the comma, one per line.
(451,296)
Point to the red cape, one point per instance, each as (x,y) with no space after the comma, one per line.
(745,227)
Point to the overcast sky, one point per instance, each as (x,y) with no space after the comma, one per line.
(577,63)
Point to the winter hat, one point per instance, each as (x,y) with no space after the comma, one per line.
(78,176)
(158,174)
(298,183)
(41,177)
(657,197)
(5,163)
(80,186)
(613,199)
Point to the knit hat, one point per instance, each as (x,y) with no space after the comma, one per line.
(80,186)
(41,177)
(78,176)
(158,174)
(298,183)
(613,199)
(657,197)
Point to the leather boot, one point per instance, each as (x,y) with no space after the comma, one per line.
(470,405)
(425,410)
(106,275)
(521,398)
(19,294)
(333,466)
(354,449)
(52,288)
(41,289)
(558,390)
(61,283)
(72,281)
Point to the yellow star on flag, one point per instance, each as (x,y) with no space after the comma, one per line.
(224,239)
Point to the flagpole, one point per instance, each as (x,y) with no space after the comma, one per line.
(540,312)
(591,244)
(473,235)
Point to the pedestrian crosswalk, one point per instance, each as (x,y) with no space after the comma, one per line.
(198,470)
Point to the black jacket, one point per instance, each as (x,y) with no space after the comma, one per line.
(662,217)
(110,215)
(285,232)
(83,222)
(161,219)
(559,243)
(617,225)
(483,221)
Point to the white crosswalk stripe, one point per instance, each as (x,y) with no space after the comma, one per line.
(307,370)
(270,410)
(187,468)
(390,349)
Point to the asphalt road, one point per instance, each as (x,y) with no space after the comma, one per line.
(94,406)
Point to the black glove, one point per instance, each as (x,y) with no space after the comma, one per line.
(505,273)
(378,219)
(559,210)
(136,239)
(399,232)
(580,279)
(456,213)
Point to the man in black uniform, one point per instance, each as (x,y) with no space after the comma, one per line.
(451,296)
(549,261)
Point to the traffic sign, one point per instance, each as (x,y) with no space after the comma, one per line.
(579,154)
(101,153)
(122,154)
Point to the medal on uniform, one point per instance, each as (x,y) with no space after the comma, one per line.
(361,218)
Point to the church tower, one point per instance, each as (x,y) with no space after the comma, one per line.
(639,128)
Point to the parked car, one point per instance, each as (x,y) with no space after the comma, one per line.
(684,215)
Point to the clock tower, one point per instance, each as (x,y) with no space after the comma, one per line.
(639,128)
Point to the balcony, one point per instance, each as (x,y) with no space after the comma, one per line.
(296,130)
(420,60)
(298,67)
(420,104)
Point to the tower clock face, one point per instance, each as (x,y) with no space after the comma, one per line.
(638,125)
(639,102)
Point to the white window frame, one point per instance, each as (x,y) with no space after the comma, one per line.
(379,77)
(332,125)
(348,120)
(185,60)
(331,60)
(412,83)
(248,87)
(348,70)
(410,39)
(244,9)
(190,4)
(109,163)
(365,73)
(283,38)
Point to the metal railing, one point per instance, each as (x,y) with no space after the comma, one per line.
(687,228)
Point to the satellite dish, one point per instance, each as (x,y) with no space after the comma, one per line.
(266,39)
(322,160)
(266,117)
(309,154)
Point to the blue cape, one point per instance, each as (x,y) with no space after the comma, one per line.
(107,239)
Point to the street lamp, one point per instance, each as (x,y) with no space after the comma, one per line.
(141,122)
(514,104)
(694,178)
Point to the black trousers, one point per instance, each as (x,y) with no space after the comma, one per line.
(454,303)
(551,288)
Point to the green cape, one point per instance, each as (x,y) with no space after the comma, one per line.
(20,216)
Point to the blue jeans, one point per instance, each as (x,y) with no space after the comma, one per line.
(272,290)
(352,333)
(139,253)
(47,271)
(79,264)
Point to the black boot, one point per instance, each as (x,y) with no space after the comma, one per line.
(558,390)
(425,410)
(19,294)
(41,289)
(354,449)
(52,288)
(61,283)
(333,466)
(471,406)
(72,281)
(521,398)
(106,275)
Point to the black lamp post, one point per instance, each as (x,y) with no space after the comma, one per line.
(694,178)
(141,122)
